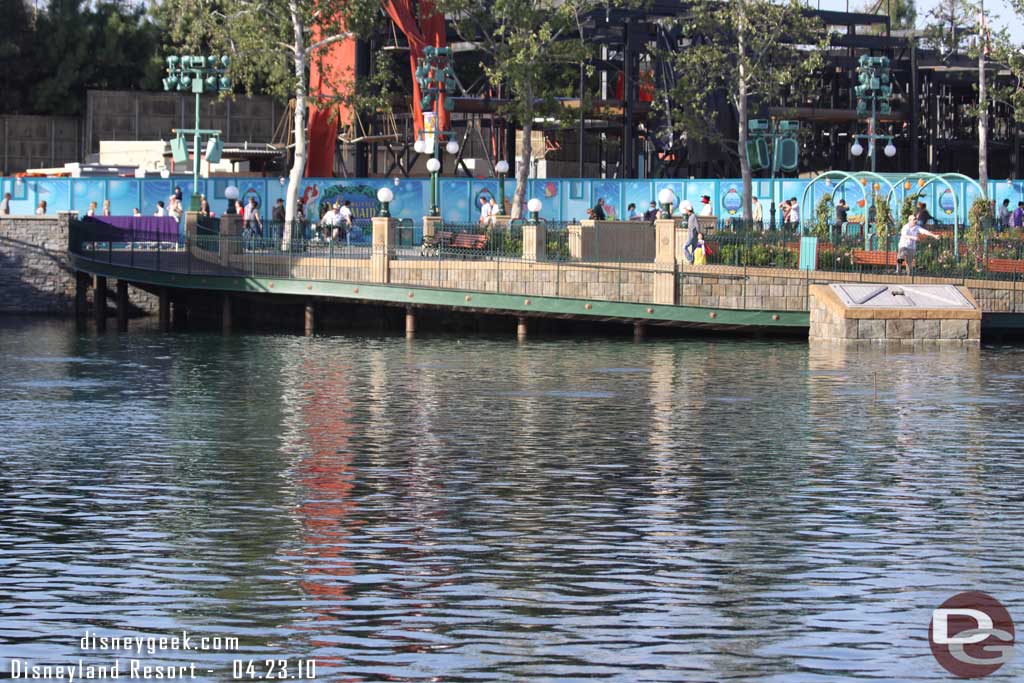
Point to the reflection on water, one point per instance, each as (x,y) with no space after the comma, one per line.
(466,510)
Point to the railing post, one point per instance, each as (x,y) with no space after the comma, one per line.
(158,252)
(131,250)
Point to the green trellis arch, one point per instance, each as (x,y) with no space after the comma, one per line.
(844,177)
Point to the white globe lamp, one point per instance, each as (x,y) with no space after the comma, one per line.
(452,147)
(666,198)
(890,149)
(857,149)
(418,146)
(433,165)
(534,206)
(385,196)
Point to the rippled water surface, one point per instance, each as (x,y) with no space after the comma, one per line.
(481,510)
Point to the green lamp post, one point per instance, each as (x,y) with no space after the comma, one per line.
(198,75)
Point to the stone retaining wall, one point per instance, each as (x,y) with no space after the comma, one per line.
(35,272)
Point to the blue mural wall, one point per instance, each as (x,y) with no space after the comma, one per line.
(563,199)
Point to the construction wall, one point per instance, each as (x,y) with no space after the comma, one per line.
(38,141)
(129,115)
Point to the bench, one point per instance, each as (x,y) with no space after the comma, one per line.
(1005,265)
(454,240)
(862,257)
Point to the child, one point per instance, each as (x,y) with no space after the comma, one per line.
(701,252)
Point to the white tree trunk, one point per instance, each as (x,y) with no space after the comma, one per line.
(522,169)
(298,169)
(743,116)
(982,109)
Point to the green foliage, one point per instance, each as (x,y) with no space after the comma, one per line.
(979,226)
(885,227)
(71,48)
(909,207)
(823,217)
(736,51)
(902,13)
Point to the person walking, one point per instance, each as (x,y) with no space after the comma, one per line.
(907,249)
(1004,215)
(1017,219)
(705,206)
(41,209)
(485,212)
(599,214)
(160,210)
(842,215)
(756,213)
(252,217)
(794,214)
(91,211)
(651,214)
(345,220)
(5,204)
(106,207)
(692,229)
(277,218)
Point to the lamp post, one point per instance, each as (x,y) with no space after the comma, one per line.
(230,194)
(385,196)
(666,198)
(502,168)
(873,93)
(534,206)
(433,165)
(198,75)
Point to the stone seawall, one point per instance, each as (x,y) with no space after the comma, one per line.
(782,289)
(35,273)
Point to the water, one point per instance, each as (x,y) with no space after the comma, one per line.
(479,510)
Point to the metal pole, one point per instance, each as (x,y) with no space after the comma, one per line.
(775,145)
(194,202)
(872,136)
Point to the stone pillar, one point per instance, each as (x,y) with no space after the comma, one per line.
(385,239)
(431,224)
(165,310)
(310,318)
(231,234)
(191,226)
(225,314)
(521,328)
(666,290)
(534,242)
(99,303)
(410,322)
(583,240)
(122,305)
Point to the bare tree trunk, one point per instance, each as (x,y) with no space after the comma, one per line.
(743,116)
(299,165)
(982,105)
(523,169)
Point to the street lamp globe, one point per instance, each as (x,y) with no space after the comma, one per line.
(501,166)
(433,165)
(231,192)
(666,196)
(856,150)
(385,195)
(452,147)
(534,205)
(890,150)
(418,146)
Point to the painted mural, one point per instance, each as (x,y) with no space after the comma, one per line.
(562,199)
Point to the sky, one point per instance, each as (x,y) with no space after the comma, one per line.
(998,10)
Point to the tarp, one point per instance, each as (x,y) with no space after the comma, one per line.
(132,228)
(331,70)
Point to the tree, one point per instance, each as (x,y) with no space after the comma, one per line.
(532,51)
(750,51)
(902,13)
(962,27)
(103,46)
(17,68)
(272,44)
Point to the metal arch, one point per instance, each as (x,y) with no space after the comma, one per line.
(943,177)
(828,175)
(859,175)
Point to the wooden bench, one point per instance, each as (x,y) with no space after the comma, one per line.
(1005,265)
(862,257)
(454,240)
